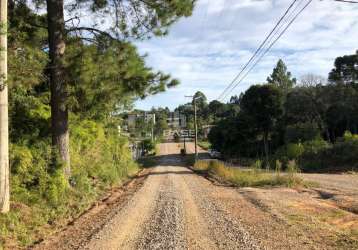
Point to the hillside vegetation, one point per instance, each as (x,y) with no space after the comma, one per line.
(311,121)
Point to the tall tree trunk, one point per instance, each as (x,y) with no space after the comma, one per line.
(4,118)
(59,109)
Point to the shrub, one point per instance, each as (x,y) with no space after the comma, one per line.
(291,151)
(341,156)
(148,145)
(348,136)
(294,150)
(315,146)
(40,194)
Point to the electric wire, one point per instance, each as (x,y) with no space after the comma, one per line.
(271,45)
(257,50)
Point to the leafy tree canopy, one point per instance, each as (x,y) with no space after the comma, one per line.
(263,103)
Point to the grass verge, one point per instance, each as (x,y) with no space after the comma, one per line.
(247,178)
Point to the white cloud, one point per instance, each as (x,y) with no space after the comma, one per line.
(206,50)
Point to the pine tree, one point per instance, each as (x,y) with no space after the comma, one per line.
(282,78)
(134,18)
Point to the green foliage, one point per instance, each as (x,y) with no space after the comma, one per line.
(301,132)
(314,127)
(345,69)
(204,145)
(294,151)
(109,72)
(138,19)
(149,145)
(281,78)
(100,159)
(263,105)
(341,156)
(348,136)
(26,58)
(246,133)
(315,146)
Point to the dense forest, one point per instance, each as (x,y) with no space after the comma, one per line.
(67,86)
(312,121)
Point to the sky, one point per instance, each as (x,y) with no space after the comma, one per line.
(208,49)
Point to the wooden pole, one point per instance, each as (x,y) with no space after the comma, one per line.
(196,131)
(4,117)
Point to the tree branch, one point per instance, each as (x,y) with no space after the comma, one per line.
(92,30)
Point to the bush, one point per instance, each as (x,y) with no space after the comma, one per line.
(315,146)
(40,194)
(291,151)
(341,156)
(148,146)
(294,151)
(204,145)
(348,136)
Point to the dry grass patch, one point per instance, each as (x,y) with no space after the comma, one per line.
(247,178)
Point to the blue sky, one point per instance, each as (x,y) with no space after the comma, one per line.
(207,50)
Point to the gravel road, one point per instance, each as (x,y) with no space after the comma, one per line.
(174,209)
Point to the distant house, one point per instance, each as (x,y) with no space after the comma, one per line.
(176,120)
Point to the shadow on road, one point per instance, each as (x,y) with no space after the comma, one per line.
(184,172)
(170,160)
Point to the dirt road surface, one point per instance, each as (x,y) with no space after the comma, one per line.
(173,208)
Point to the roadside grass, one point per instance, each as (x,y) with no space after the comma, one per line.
(43,201)
(247,178)
(204,144)
(27,224)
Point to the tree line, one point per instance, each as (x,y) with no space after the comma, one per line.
(312,120)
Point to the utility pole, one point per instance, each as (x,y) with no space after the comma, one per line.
(184,144)
(195,126)
(196,131)
(153,123)
(4,117)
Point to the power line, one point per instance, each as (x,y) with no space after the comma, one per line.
(346,1)
(204,19)
(258,49)
(271,45)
